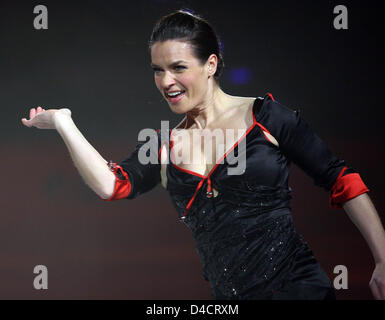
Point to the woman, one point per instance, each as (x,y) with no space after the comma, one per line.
(241,222)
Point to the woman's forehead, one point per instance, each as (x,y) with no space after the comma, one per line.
(170,51)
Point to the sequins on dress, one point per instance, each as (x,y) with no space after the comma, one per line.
(245,235)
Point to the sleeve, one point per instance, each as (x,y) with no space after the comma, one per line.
(300,144)
(134,177)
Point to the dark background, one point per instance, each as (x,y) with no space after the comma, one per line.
(94,60)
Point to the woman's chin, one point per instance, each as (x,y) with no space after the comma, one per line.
(177,108)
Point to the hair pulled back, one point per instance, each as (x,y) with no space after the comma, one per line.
(185,26)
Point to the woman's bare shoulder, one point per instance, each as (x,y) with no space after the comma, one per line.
(240,100)
(242,105)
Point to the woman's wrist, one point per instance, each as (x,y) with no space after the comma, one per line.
(60,118)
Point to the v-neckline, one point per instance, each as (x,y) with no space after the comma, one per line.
(193,173)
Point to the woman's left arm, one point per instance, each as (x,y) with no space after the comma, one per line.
(300,144)
(364,215)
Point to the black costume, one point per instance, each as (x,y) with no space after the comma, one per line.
(245,235)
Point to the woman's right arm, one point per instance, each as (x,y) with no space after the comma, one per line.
(90,164)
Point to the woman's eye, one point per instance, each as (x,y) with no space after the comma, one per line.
(177,68)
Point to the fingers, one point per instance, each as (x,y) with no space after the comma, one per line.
(32,113)
(26,122)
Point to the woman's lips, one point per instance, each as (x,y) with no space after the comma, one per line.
(177,98)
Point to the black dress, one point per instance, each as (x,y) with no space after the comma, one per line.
(245,235)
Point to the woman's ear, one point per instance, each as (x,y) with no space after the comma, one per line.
(212,62)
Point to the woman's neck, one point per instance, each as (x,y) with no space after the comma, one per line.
(206,113)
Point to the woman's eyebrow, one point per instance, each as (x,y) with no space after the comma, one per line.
(170,66)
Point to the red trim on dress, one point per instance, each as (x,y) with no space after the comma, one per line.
(265,130)
(160,149)
(209,187)
(270,95)
(260,125)
(122,187)
(345,188)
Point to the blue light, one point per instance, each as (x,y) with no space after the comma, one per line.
(221,46)
(240,76)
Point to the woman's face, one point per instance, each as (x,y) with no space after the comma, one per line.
(179,75)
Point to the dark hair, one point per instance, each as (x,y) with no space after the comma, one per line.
(189,27)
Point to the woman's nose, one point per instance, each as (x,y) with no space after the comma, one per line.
(167,80)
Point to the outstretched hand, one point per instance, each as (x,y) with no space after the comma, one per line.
(377,283)
(43,119)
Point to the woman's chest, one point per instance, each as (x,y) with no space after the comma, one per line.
(200,151)
(241,157)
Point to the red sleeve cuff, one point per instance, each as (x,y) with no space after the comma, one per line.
(345,188)
(122,187)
